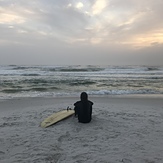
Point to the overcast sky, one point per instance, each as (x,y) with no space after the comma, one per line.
(56,32)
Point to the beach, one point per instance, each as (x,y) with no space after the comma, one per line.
(123,129)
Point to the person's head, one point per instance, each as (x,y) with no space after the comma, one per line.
(84,96)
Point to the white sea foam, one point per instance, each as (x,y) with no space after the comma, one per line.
(33,81)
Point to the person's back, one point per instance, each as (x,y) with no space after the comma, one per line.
(83,109)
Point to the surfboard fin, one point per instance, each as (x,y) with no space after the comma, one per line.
(68,108)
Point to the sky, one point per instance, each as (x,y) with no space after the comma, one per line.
(85,32)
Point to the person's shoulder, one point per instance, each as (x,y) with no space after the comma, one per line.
(90,102)
(77,103)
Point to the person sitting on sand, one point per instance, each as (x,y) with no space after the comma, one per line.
(83,109)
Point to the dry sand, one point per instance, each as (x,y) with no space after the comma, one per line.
(123,130)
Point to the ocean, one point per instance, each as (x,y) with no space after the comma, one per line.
(51,81)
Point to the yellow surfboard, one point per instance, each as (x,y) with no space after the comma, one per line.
(56,117)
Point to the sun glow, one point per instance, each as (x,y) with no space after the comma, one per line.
(98,7)
(11,18)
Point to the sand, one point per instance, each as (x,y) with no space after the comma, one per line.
(123,130)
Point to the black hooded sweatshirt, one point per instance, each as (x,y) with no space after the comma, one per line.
(83,109)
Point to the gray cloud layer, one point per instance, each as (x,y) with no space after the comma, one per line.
(81,32)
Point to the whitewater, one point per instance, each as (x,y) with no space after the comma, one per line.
(51,81)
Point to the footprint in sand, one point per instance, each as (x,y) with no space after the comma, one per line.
(64,137)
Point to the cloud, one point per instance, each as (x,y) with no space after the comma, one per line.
(79,5)
(69,26)
(98,6)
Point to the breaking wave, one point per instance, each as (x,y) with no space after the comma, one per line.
(25,81)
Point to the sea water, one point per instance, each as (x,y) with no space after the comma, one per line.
(44,81)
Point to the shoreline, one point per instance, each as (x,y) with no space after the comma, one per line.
(64,102)
(90,95)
